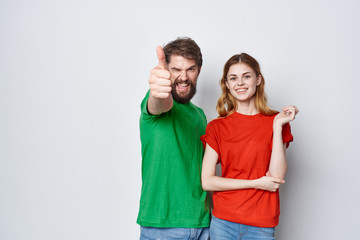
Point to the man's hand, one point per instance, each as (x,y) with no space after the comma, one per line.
(159,81)
(160,99)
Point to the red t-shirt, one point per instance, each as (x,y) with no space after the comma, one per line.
(244,145)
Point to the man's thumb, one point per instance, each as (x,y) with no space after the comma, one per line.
(161,57)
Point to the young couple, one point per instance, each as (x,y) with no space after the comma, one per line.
(248,139)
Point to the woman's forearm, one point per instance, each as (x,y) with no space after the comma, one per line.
(216,183)
(278,164)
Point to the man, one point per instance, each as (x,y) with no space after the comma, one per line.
(173,204)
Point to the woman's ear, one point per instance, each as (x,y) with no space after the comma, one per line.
(226,83)
(258,81)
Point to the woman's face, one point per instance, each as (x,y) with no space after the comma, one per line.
(241,80)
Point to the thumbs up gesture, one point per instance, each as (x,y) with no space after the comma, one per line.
(159,81)
(160,99)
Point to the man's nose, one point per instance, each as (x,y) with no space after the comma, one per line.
(183,76)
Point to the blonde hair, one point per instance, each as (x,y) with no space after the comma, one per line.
(226,104)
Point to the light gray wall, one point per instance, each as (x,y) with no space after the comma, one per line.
(72,76)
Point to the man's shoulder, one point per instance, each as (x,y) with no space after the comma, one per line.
(196,107)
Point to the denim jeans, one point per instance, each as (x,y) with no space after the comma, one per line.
(151,233)
(224,230)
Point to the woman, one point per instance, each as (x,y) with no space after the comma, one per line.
(249,141)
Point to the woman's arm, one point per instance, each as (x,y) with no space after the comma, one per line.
(211,182)
(278,164)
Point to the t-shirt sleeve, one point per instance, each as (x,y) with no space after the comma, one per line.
(145,115)
(286,134)
(211,137)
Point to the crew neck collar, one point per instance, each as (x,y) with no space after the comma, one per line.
(244,116)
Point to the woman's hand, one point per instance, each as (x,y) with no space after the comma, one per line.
(268,183)
(287,115)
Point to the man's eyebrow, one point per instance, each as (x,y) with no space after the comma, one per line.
(193,66)
(175,68)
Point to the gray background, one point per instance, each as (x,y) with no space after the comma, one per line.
(73,74)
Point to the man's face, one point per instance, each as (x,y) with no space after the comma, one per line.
(184,74)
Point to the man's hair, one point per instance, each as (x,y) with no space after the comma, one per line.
(185,47)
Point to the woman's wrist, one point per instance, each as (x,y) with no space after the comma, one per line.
(277,126)
(255,184)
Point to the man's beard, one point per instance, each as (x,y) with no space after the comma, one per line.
(183,98)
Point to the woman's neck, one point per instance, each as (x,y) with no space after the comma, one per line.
(247,108)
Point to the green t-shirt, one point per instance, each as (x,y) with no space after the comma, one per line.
(171,194)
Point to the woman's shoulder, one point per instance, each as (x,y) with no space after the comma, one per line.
(220,122)
(216,122)
(219,119)
(272,116)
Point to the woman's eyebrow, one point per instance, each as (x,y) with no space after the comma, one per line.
(245,73)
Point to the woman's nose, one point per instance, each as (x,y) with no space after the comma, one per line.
(240,81)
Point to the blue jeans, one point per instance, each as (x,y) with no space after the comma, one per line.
(152,233)
(224,230)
